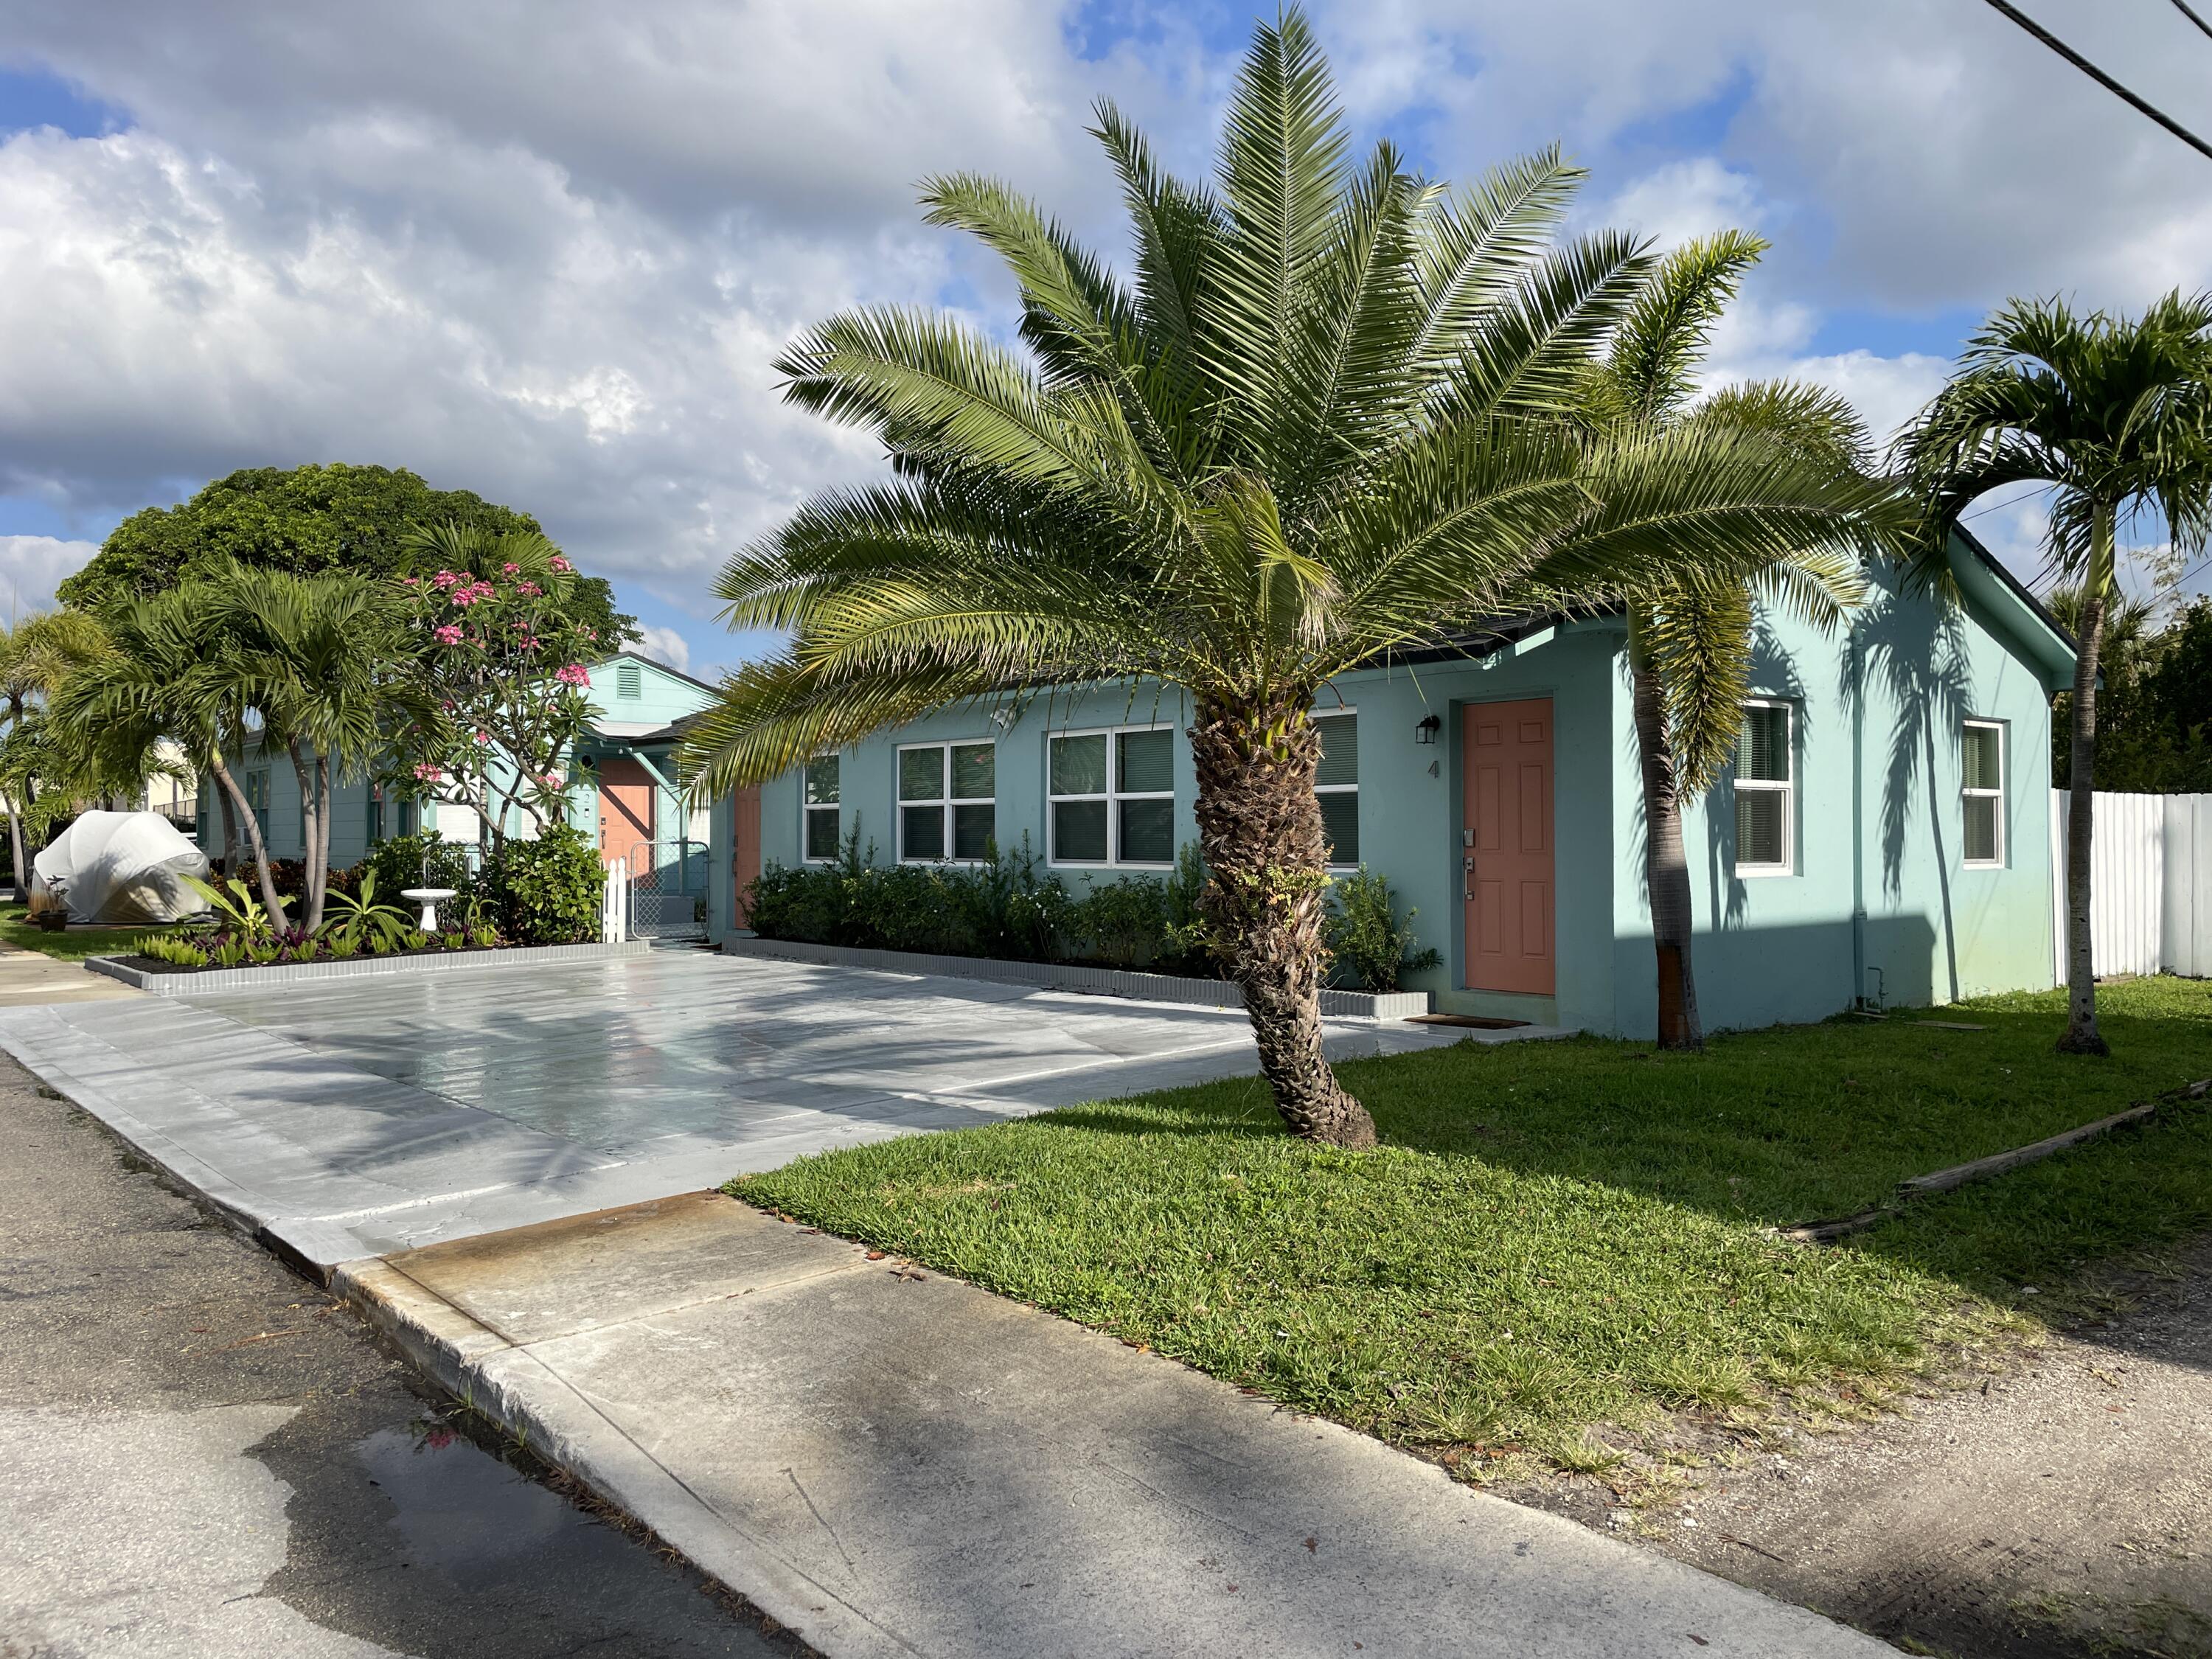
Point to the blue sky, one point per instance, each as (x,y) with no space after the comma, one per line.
(548,252)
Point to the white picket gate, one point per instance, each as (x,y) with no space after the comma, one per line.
(2150,884)
(614,904)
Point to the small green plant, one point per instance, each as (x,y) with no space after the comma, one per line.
(341,945)
(363,918)
(1373,949)
(237,906)
(181,953)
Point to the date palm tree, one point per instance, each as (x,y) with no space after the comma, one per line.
(1327,418)
(1690,639)
(2115,413)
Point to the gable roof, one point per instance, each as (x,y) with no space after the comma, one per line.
(2013,607)
(654,663)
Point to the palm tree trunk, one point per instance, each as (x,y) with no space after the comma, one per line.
(319,852)
(1260,829)
(2081,1035)
(15,845)
(230,788)
(230,830)
(1666,870)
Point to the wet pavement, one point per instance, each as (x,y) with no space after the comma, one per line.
(351,1118)
(204,1456)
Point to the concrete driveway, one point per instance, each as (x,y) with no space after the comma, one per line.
(355,1117)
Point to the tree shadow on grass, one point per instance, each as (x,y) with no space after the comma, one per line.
(1789,1125)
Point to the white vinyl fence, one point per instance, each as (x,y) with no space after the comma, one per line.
(614,904)
(2150,884)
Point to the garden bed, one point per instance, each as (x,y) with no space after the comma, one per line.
(1085,978)
(170,980)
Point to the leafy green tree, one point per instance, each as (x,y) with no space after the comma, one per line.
(2115,412)
(172,670)
(495,678)
(1326,420)
(1690,639)
(333,520)
(36,655)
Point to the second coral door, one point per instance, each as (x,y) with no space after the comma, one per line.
(625,810)
(1506,847)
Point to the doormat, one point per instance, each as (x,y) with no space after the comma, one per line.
(1480,1022)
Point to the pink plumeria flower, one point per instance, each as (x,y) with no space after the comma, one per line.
(529,588)
(445,578)
(560,563)
(412,582)
(574,674)
(429,774)
(449,634)
(510,569)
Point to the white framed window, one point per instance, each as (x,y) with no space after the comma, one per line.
(1111,796)
(1766,790)
(820,828)
(1981,790)
(948,801)
(1337,782)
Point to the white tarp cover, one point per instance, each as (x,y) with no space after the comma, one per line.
(119,867)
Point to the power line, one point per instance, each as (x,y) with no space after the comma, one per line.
(2183,7)
(1993,507)
(2102,79)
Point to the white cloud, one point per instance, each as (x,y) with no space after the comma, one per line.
(31,567)
(664,644)
(550,252)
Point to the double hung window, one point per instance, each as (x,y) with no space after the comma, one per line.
(1981,789)
(1337,783)
(948,801)
(1112,796)
(1765,792)
(820,828)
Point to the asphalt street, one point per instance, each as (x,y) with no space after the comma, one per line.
(203,1454)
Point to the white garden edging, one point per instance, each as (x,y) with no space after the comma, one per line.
(203,980)
(1070,977)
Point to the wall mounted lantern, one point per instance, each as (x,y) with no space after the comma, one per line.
(1427,730)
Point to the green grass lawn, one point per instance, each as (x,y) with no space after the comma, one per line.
(1561,1242)
(73,945)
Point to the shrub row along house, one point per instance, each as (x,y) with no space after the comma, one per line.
(1884,833)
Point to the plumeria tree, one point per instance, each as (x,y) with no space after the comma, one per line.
(496,693)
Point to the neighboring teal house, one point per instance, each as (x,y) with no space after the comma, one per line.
(621,791)
(1884,835)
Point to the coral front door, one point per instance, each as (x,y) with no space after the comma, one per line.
(1506,847)
(625,810)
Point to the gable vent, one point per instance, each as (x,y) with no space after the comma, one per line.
(628,680)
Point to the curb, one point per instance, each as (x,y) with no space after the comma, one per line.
(455,1350)
(1070,977)
(207,981)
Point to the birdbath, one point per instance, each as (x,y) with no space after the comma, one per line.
(428,898)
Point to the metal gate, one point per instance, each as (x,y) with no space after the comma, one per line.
(668,889)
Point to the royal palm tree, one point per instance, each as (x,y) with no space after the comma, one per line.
(36,654)
(1690,639)
(172,671)
(1327,418)
(2115,413)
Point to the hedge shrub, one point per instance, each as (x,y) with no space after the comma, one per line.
(548,891)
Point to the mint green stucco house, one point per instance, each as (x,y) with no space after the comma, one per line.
(1885,834)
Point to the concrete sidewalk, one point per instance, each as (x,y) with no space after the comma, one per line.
(29,978)
(895,1463)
